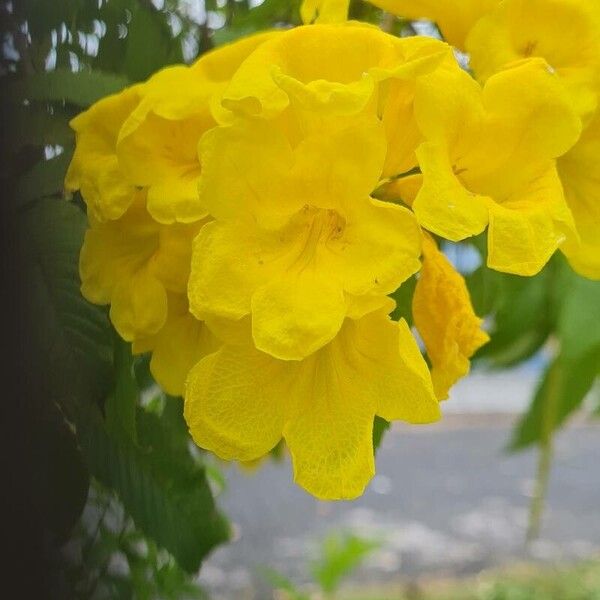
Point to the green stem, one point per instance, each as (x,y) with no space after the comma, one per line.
(546,454)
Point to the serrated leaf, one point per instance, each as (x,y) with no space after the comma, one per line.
(71,346)
(171,506)
(81,88)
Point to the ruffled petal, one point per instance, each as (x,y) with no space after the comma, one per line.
(162,155)
(528,228)
(94,169)
(445,319)
(519,29)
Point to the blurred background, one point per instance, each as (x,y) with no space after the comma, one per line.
(499,501)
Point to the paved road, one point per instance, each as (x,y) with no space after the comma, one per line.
(446,500)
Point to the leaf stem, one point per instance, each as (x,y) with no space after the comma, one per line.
(546,453)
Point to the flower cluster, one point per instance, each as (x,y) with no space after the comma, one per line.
(252,214)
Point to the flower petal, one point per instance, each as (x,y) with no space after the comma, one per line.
(445,319)
(229,263)
(181,343)
(242,179)
(138,306)
(443,205)
(527,229)
(162,155)
(382,244)
(455,18)
(94,168)
(519,29)
(580,177)
(294,316)
(235,402)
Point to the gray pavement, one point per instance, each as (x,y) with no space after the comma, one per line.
(446,500)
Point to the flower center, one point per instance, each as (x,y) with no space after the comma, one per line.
(320,226)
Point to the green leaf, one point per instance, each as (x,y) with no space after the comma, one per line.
(82,88)
(579,320)
(403,297)
(341,554)
(280,582)
(36,126)
(569,382)
(70,339)
(380,426)
(523,318)
(161,486)
(150,45)
(45,179)
(121,406)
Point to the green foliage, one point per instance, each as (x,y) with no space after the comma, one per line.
(121,563)
(380,426)
(579,582)
(341,554)
(81,89)
(574,370)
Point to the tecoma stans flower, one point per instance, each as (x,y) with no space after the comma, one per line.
(445,319)
(580,177)
(131,263)
(157,145)
(297,241)
(95,169)
(324,11)
(565,33)
(489,159)
(239,402)
(147,135)
(455,18)
(177,346)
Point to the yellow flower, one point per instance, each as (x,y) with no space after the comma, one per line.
(132,263)
(565,33)
(240,402)
(445,319)
(157,146)
(296,236)
(147,136)
(488,158)
(177,346)
(455,18)
(297,241)
(95,169)
(324,11)
(580,174)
